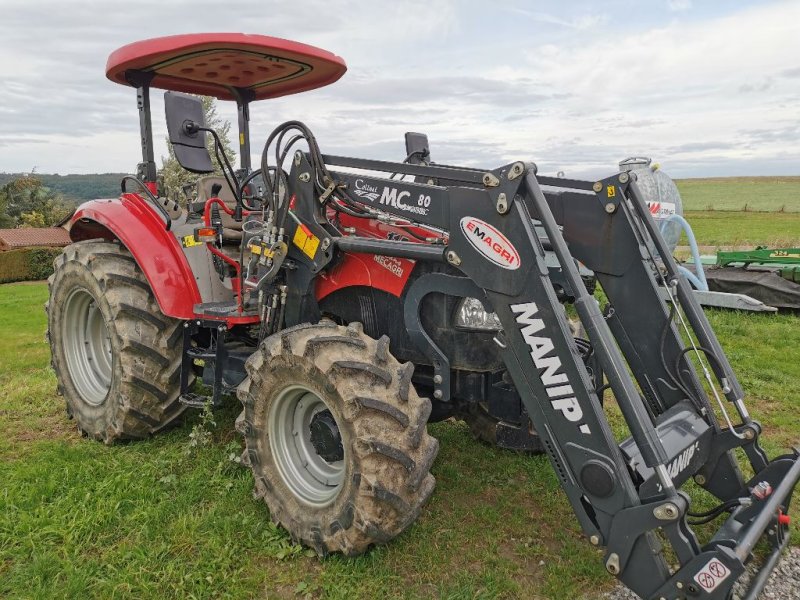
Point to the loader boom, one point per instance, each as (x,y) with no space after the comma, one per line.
(622,494)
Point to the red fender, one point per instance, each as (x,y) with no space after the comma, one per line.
(132,221)
(384,273)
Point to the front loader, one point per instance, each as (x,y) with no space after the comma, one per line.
(335,293)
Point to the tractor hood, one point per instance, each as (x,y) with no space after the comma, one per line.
(227,66)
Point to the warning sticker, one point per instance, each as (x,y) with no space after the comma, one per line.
(661,210)
(711,575)
(261,249)
(188,241)
(306,241)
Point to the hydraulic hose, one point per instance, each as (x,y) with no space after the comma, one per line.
(700,280)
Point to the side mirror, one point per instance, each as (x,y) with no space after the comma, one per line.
(417,148)
(184,116)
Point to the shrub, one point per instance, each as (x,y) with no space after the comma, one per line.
(40,262)
(26,264)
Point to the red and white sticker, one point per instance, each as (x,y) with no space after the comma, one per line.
(491,243)
(711,575)
(661,210)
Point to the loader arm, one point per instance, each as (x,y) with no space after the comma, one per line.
(622,494)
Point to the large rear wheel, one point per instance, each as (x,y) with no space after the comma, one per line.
(336,437)
(116,356)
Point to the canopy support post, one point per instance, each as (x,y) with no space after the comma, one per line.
(243,98)
(146,170)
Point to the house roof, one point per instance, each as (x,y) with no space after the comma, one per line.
(11,239)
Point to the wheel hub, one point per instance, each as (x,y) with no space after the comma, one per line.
(307,445)
(325,437)
(87,346)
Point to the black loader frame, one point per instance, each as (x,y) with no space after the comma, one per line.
(623,494)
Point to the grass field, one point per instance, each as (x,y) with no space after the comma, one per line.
(723,228)
(772,194)
(148,520)
(151,520)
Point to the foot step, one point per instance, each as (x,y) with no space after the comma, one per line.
(193,400)
(201,353)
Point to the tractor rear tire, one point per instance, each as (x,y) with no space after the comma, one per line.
(117,358)
(336,437)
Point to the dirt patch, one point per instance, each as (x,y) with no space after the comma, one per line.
(46,428)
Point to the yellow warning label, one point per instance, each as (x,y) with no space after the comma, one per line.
(188,241)
(241,139)
(306,241)
(612,191)
(258,249)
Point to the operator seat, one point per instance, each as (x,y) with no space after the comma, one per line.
(231,229)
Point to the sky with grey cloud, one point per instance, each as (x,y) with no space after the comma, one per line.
(707,88)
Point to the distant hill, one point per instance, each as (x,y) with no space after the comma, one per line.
(76,188)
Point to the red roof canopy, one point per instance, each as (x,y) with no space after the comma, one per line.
(212,64)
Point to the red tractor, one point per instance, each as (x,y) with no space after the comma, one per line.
(334,295)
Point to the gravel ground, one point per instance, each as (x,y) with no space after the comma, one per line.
(784,583)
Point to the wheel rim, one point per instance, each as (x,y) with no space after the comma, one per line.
(311,478)
(87,347)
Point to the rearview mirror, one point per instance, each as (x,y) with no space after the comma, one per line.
(417,148)
(184,116)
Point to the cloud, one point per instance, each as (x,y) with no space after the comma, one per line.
(578,22)
(679,5)
(555,85)
(763,86)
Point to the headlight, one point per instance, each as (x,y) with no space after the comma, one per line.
(471,315)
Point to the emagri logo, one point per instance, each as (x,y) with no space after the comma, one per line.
(490,242)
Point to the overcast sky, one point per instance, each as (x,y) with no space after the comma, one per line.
(707,88)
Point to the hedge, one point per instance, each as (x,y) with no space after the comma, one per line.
(27,264)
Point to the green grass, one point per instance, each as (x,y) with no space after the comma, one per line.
(147,520)
(720,228)
(741,194)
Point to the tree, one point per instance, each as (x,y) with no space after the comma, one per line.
(26,201)
(175,177)
(6,220)
(32,219)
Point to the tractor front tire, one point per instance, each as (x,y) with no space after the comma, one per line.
(117,358)
(336,437)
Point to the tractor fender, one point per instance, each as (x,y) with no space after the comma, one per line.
(385,273)
(132,221)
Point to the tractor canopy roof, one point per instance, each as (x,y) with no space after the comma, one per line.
(225,65)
